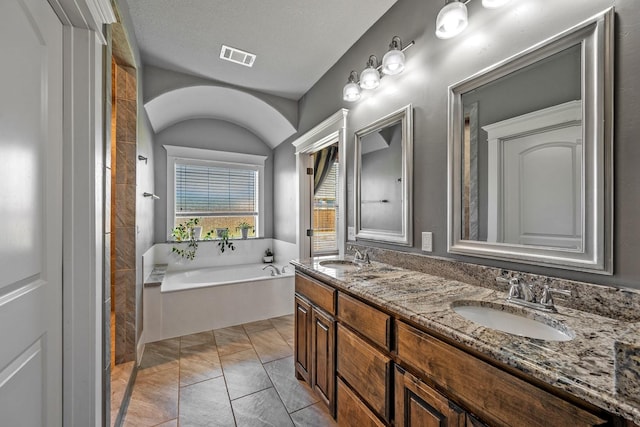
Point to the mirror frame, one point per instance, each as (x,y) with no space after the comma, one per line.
(595,35)
(405,237)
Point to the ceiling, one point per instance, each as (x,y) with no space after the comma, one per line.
(296,41)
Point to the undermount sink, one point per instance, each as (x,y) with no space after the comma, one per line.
(339,264)
(513,320)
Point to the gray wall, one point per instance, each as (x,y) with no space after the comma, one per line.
(433,65)
(213,135)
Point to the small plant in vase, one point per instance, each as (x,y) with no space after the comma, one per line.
(224,242)
(268,256)
(244,228)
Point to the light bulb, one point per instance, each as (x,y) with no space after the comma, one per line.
(351,92)
(451,20)
(393,62)
(369,78)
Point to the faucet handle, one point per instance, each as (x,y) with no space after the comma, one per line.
(547,295)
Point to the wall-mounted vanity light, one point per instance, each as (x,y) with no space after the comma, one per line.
(370,76)
(392,63)
(393,60)
(453,18)
(351,91)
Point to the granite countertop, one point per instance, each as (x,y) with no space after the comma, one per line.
(584,366)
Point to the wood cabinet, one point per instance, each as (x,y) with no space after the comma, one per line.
(352,412)
(366,370)
(315,338)
(302,353)
(418,405)
(372,368)
(368,321)
(323,356)
(500,398)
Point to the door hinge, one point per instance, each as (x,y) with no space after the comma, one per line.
(309,171)
(309,232)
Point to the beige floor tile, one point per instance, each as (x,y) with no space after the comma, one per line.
(197,339)
(261,409)
(205,404)
(285,326)
(119,379)
(161,355)
(270,345)
(231,340)
(257,326)
(294,394)
(154,399)
(244,373)
(199,363)
(313,416)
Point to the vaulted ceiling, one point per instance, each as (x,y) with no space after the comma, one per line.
(296,41)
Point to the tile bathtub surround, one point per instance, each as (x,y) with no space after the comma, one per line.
(616,303)
(583,366)
(237,376)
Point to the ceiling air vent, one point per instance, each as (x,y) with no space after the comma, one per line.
(238,56)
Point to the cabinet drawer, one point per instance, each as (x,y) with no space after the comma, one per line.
(352,412)
(365,369)
(318,293)
(497,397)
(365,319)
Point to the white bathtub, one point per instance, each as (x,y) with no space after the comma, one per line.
(214,276)
(198,300)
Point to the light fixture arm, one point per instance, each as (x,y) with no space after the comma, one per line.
(353,77)
(373,62)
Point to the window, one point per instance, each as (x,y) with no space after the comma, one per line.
(326,214)
(222,189)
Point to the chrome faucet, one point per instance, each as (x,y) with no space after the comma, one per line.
(524,295)
(274,269)
(360,257)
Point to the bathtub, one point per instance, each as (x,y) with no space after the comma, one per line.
(191,301)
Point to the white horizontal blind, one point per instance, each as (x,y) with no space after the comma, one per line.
(215,191)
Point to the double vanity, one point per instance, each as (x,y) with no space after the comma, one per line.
(384,345)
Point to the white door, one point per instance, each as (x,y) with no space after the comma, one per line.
(542,189)
(30,214)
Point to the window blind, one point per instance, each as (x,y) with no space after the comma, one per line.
(215,191)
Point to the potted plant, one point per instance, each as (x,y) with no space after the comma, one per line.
(187,232)
(221,231)
(224,242)
(268,256)
(244,228)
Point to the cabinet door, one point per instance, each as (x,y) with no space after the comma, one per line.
(366,370)
(323,371)
(418,405)
(352,412)
(302,354)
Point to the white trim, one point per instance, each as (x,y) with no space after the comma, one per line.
(329,131)
(214,155)
(308,143)
(82,228)
(200,156)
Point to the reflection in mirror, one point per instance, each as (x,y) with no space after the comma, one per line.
(522,158)
(529,152)
(383,179)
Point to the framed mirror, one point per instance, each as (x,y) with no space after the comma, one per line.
(530,154)
(383,179)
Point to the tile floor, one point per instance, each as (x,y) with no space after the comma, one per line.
(237,376)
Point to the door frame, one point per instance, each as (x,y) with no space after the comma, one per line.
(332,130)
(83,388)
